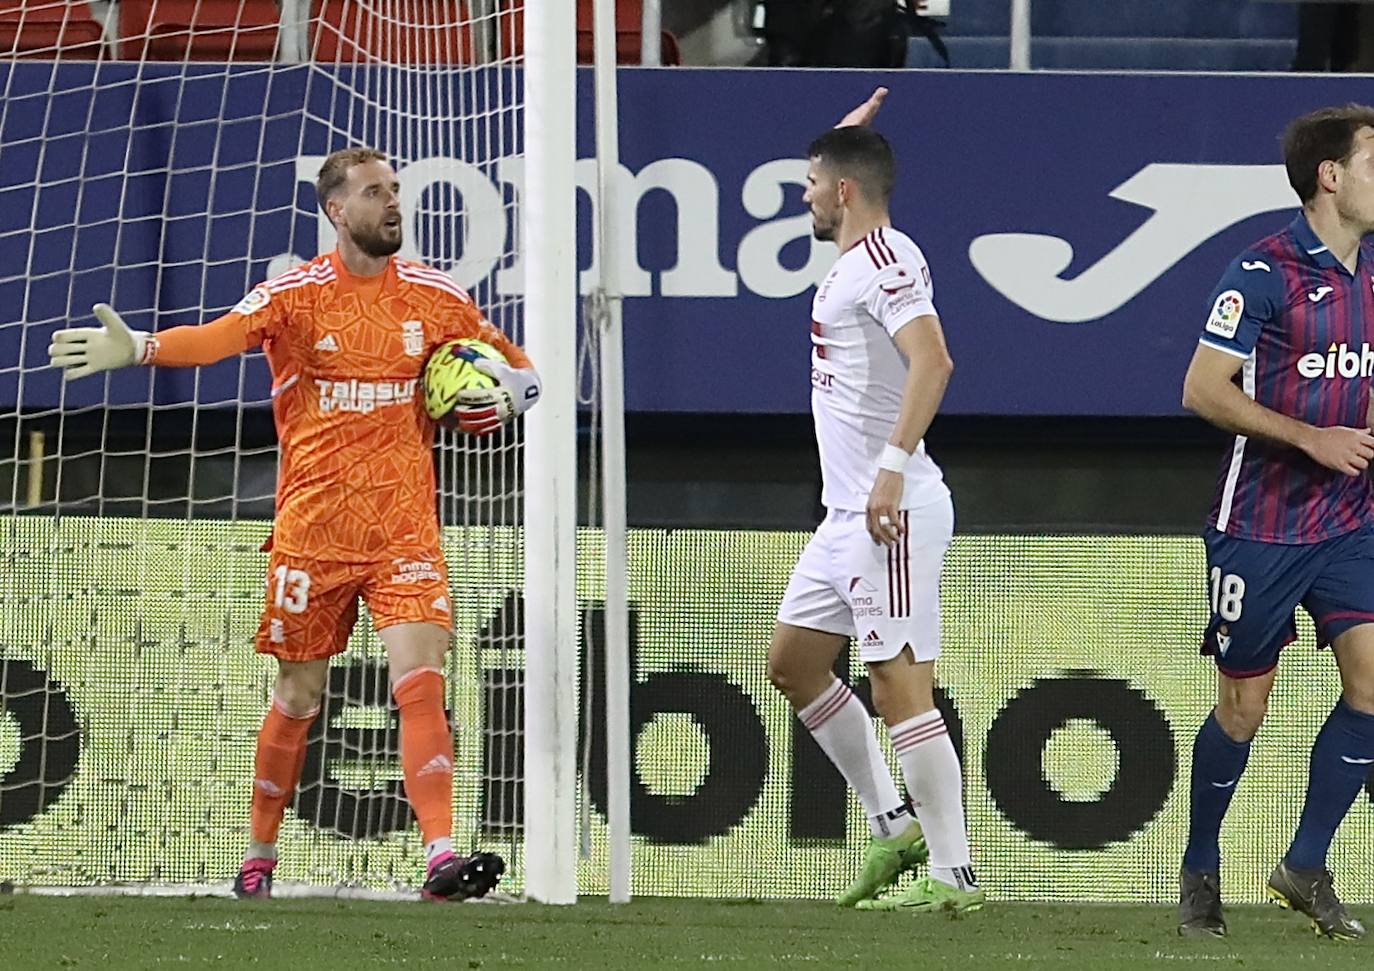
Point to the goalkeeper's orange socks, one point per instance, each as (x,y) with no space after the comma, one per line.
(427,757)
(276,772)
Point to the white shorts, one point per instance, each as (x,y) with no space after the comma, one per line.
(887,598)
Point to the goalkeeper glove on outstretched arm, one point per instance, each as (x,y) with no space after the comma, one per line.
(481,411)
(80,351)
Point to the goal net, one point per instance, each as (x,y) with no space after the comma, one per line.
(161,156)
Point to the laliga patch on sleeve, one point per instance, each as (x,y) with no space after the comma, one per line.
(256,299)
(1225,317)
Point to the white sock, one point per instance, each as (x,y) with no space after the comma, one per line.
(444,844)
(840,725)
(936,783)
(961,877)
(265,851)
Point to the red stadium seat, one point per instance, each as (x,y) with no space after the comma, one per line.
(391,31)
(628,29)
(198,30)
(43,28)
(627,47)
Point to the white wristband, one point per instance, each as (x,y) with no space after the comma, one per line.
(893,458)
(145,347)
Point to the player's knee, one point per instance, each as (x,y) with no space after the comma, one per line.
(1240,717)
(298,690)
(1359,696)
(891,708)
(781,675)
(797,682)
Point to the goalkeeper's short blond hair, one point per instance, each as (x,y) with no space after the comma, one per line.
(334,171)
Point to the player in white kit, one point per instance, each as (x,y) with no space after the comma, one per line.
(879,368)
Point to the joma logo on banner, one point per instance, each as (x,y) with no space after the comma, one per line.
(1189,203)
(697,270)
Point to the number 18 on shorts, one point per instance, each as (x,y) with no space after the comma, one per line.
(1254,588)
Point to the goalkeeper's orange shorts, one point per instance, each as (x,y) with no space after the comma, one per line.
(312,605)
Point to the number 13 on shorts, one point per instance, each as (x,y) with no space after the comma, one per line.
(292,589)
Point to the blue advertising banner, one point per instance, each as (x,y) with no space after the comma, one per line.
(1074,224)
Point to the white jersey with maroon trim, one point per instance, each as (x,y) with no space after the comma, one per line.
(857,374)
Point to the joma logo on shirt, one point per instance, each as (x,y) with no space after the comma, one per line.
(1340,360)
(364,396)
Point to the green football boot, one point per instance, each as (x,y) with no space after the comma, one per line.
(884,861)
(929,896)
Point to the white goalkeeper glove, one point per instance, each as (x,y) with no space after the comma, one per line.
(481,411)
(80,351)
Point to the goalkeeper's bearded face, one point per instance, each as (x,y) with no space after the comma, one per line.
(371,210)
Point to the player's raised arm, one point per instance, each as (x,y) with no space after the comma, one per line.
(82,351)
(864,113)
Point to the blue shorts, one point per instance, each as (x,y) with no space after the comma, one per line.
(1253,589)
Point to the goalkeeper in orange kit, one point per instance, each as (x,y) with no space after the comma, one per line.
(347,336)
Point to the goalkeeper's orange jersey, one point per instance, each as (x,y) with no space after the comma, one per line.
(356,479)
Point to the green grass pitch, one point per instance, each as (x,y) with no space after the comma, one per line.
(299,935)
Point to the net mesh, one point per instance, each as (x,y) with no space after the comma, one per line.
(160,156)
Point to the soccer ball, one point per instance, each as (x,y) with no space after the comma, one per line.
(449,370)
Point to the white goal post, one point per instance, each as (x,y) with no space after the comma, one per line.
(551,652)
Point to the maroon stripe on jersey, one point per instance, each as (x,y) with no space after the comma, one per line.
(1321,315)
(1280,496)
(815,333)
(1276,387)
(872,252)
(884,255)
(881,239)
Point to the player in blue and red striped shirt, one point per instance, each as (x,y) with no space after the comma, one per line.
(1286,362)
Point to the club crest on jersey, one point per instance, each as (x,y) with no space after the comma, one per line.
(1225,317)
(413,337)
(256,299)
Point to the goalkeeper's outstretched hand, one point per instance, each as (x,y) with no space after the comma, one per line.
(80,351)
(481,411)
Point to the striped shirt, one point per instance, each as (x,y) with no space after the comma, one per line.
(1302,324)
